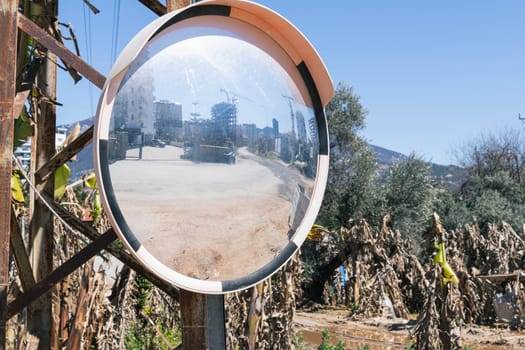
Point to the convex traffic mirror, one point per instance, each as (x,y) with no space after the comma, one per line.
(211,144)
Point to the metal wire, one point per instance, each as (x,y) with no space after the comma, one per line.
(89,49)
(115,31)
(46,203)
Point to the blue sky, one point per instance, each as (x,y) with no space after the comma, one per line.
(432,75)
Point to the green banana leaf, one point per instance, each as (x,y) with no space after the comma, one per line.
(23,129)
(97,207)
(91,181)
(16,188)
(439,257)
(61,179)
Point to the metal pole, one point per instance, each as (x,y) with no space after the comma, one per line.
(215,324)
(202,316)
(8,28)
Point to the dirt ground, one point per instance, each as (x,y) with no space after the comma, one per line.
(205,220)
(383,333)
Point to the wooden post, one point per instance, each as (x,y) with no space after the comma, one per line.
(202,319)
(202,316)
(172,5)
(8,28)
(193,317)
(41,322)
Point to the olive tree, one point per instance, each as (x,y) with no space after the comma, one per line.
(407,195)
(351,181)
(495,188)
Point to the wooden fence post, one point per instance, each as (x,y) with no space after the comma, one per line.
(172,5)
(41,322)
(8,28)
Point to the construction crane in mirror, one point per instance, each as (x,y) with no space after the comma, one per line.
(231,97)
(291,100)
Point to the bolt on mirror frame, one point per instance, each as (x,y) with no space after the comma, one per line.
(319,88)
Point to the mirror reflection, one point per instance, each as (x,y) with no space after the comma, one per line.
(213,153)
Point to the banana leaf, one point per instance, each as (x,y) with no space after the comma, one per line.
(16,188)
(61,179)
(91,181)
(23,129)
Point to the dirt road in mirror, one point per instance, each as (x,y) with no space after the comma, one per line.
(210,221)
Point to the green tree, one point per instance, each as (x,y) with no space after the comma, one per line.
(346,117)
(350,189)
(494,198)
(451,209)
(495,189)
(493,153)
(407,195)
(496,153)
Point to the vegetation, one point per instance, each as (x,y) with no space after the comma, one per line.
(349,193)
(355,190)
(326,345)
(493,190)
(381,226)
(406,195)
(298,343)
(378,215)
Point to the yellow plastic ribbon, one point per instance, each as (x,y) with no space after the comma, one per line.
(440,258)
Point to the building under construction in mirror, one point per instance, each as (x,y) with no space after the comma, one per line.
(214,139)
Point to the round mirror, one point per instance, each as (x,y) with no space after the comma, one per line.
(211,148)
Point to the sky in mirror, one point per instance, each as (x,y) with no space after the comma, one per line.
(215,66)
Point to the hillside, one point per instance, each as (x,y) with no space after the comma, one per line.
(385,156)
(452,176)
